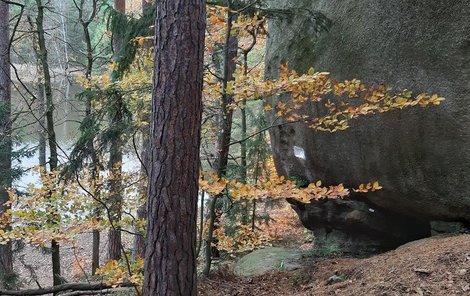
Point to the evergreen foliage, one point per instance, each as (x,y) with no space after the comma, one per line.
(128,28)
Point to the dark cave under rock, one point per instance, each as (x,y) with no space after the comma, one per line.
(354,226)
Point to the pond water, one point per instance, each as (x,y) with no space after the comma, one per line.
(69,111)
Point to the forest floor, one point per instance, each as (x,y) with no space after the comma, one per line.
(434,266)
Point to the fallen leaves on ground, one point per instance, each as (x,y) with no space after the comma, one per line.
(434,266)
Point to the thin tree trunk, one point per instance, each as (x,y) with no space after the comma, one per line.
(201,225)
(53,157)
(257,173)
(42,123)
(120,6)
(243,148)
(145,5)
(115,185)
(95,255)
(139,240)
(170,263)
(94,174)
(42,132)
(63,12)
(115,159)
(6,257)
(225,125)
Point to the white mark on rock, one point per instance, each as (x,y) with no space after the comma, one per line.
(299,152)
(371,210)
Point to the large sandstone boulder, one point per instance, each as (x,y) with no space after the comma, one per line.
(420,156)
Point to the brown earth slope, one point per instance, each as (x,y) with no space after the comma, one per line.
(435,266)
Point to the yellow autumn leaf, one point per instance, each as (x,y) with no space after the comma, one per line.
(376,186)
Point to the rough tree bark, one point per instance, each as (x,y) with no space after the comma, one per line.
(170,266)
(53,156)
(6,260)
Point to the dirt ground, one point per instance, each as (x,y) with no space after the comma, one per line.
(34,264)
(435,266)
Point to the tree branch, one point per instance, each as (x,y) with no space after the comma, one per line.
(263,130)
(63,288)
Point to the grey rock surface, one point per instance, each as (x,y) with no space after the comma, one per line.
(269,259)
(421,157)
(443,227)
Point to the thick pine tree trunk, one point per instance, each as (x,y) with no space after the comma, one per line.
(170,266)
(6,261)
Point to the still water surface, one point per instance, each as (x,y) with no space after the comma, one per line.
(69,111)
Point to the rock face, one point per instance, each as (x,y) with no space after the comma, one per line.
(421,157)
